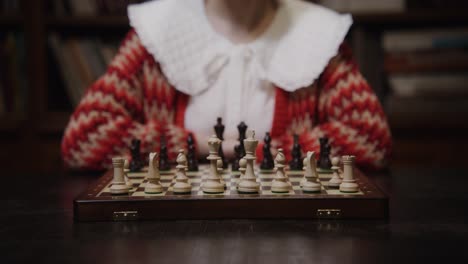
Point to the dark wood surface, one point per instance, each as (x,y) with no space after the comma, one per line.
(429,223)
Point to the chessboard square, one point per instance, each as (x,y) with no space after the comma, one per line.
(295,177)
(143,194)
(197,180)
(168,172)
(266,176)
(140,174)
(295,172)
(338,192)
(325,176)
(166,184)
(297,187)
(269,192)
(137,180)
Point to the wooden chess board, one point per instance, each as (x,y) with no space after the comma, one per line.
(98,204)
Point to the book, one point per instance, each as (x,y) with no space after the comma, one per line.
(365,6)
(432,4)
(429,39)
(426,61)
(83,7)
(107,51)
(73,83)
(2,99)
(426,107)
(84,71)
(441,85)
(92,57)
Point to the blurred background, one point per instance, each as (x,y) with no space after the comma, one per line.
(414,53)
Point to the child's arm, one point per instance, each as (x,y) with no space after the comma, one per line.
(132,100)
(349,114)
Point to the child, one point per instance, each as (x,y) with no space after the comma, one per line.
(279,66)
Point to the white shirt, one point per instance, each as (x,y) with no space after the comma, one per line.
(237,81)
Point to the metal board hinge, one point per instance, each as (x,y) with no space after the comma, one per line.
(125,216)
(329,213)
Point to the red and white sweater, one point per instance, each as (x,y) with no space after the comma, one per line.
(134,100)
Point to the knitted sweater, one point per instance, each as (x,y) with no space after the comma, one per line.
(133,99)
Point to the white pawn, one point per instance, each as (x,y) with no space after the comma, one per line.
(153,184)
(213,183)
(118,182)
(182,185)
(242,168)
(349,184)
(280,182)
(310,183)
(249,183)
(335,181)
(128,182)
(219,164)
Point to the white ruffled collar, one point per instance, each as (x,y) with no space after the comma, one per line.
(291,54)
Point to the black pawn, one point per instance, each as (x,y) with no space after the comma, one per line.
(239,149)
(219,129)
(296,161)
(267,163)
(242,128)
(237,157)
(164,164)
(325,148)
(192,161)
(136,164)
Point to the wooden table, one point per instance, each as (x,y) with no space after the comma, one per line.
(428,221)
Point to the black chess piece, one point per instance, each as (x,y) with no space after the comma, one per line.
(219,130)
(242,128)
(237,157)
(136,164)
(239,149)
(325,149)
(296,161)
(267,163)
(192,161)
(164,164)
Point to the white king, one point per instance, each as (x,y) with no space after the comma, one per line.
(248,184)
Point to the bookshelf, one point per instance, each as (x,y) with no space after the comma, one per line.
(102,22)
(42,125)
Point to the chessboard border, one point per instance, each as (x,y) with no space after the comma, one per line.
(91,207)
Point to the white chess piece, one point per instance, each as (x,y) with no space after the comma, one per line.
(118,182)
(249,183)
(153,184)
(349,184)
(182,185)
(213,181)
(128,182)
(280,183)
(335,181)
(310,183)
(242,169)
(219,164)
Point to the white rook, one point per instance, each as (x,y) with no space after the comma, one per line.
(118,183)
(349,184)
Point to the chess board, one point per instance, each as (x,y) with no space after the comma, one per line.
(98,204)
